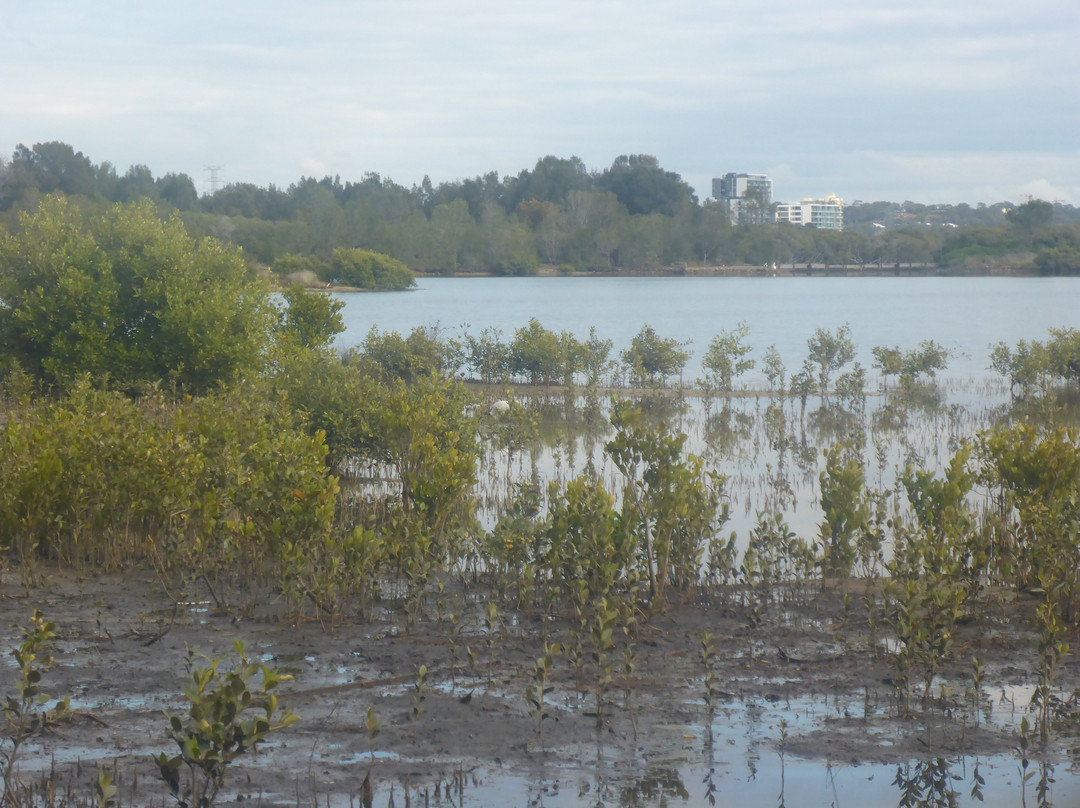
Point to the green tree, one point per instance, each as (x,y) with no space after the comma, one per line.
(830,352)
(1064,349)
(1027,367)
(1059,260)
(424,432)
(407,358)
(642,187)
(537,354)
(774,369)
(334,398)
(582,541)
(311,318)
(927,360)
(1033,215)
(845,507)
(889,361)
(596,363)
(551,180)
(130,297)
(671,504)
(487,356)
(726,358)
(652,359)
(300,269)
(177,190)
(54,167)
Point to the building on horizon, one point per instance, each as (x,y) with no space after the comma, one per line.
(824,214)
(748,197)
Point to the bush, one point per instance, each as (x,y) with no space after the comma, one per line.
(652,359)
(208,483)
(129,298)
(537,354)
(368,270)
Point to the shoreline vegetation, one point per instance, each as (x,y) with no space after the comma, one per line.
(737,271)
(163,416)
(632,217)
(749,271)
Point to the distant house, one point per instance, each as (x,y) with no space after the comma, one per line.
(824,214)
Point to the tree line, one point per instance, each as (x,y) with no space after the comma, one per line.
(633,214)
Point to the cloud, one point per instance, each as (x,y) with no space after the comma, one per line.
(915,100)
(310,167)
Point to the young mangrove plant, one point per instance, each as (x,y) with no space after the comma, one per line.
(923,613)
(978,673)
(227,716)
(829,352)
(846,508)
(1051,652)
(104,790)
(671,504)
(419,695)
(601,633)
(709,657)
(773,365)
(25,713)
(629,666)
(725,359)
(371,729)
(651,359)
(538,689)
(492,625)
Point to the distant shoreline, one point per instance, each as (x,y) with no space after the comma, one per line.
(746,271)
(738,271)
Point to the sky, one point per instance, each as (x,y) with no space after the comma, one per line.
(935,102)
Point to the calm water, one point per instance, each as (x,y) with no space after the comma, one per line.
(966,315)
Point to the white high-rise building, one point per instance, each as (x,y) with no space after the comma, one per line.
(824,214)
(748,196)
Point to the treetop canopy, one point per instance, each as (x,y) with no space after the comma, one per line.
(127,296)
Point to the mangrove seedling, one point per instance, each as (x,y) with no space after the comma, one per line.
(538,689)
(419,694)
(492,625)
(602,630)
(371,727)
(227,716)
(25,713)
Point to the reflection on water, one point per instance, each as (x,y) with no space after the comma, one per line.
(769,448)
(989,782)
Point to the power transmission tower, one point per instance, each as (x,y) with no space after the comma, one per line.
(215,178)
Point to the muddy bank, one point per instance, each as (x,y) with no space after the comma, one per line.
(806,686)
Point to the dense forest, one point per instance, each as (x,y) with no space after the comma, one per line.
(633,214)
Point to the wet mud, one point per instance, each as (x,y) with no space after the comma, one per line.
(811,691)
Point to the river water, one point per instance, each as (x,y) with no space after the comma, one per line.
(965,315)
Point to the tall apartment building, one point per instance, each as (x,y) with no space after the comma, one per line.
(824,214)
(748,196)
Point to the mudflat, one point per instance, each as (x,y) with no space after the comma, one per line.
(125,644)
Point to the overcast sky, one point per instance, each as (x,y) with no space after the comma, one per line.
(960,101)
